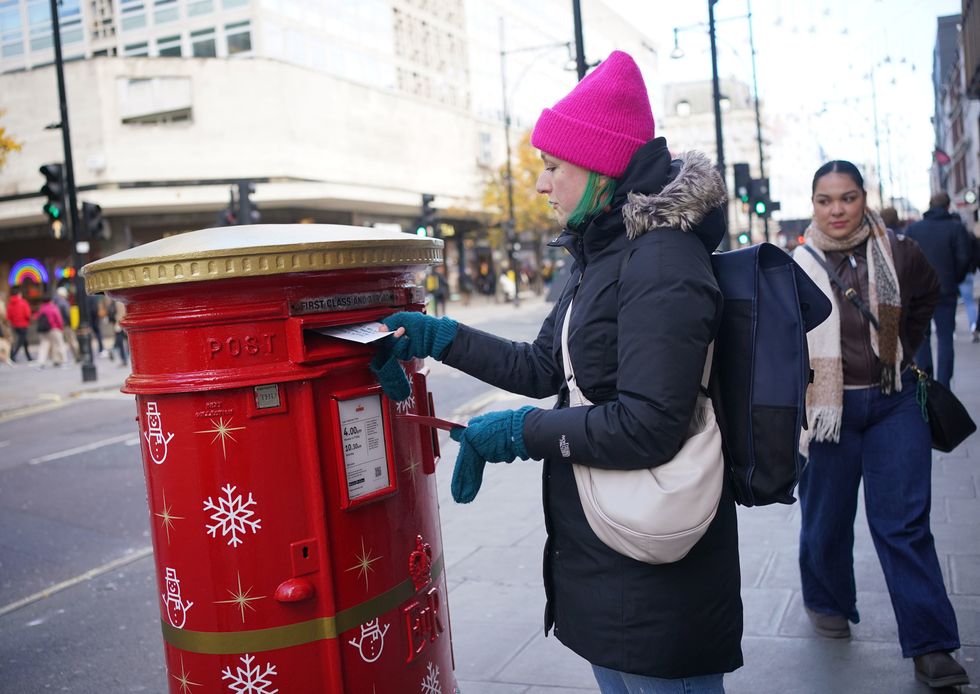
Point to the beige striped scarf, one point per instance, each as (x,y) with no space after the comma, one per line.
(825,396)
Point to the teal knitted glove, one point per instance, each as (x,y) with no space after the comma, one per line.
(389,372)
(424,336)
(494,437)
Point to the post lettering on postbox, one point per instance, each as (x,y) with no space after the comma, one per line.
(240,346)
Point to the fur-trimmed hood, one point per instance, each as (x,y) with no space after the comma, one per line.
(694,191)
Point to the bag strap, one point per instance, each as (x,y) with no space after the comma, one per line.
(846,290)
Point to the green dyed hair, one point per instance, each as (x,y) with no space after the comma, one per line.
(598,192)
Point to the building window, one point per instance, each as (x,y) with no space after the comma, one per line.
(169,46)
(164,11)
(154,100)
(11,31)
(200,7)
(136,49)
(133,14)
(202,43)
(239,37)
(228,4)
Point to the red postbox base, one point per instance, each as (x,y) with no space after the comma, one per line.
(294,514)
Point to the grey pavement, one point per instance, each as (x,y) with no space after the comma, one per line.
(493,558)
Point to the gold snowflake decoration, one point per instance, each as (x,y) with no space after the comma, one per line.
(364,561)
(222,430)
(241,598)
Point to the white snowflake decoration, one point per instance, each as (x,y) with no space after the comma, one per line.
(232,516)
(248,679)
(430,683)
(406,406)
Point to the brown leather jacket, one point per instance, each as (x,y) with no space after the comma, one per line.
(919,287)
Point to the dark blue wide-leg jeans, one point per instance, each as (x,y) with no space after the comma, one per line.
(884,440)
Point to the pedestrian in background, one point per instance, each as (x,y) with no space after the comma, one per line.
(639,340)
(19,315)
(71,342)
(889,215)
(96,314)
(864,423)
(970,302)
(50,328)
(6,335)
(115,313)
(946,244)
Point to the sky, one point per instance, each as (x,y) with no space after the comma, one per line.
(814,61)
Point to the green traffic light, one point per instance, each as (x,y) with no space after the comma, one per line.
(54,211)
(760,208)
(421,231)
(743,238)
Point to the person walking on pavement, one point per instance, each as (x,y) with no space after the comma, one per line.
(638,335)
(19,315)
(49,330)
(864,423)
(115,313)
(6,335)
(946,244)
(96,312)
(71,342)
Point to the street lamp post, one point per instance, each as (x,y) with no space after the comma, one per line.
(84,319)
(726,242)
(511,224)
(677,53)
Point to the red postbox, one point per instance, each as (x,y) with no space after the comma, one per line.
(293,506)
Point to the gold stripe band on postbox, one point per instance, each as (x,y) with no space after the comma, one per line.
(257,640)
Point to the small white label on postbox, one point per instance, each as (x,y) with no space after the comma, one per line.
(362,435)
(267,396)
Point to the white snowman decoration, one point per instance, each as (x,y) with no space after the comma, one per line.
(372,640)
(176,607)
(154,435)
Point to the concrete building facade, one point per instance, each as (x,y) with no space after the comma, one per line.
(339,112)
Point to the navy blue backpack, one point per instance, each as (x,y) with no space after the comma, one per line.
(762,369)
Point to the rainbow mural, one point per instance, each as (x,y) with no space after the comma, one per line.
(64,272)
(27,269)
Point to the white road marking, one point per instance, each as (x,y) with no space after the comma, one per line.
(4,444)
(83,449)
(81,578)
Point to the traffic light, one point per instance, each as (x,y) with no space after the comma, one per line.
(759,196)
(743,238)
(54,188)
(91,221)
(248,213)
(743,179)
(429,217)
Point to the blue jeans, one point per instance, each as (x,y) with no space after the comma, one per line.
(945,319)
(969,303)
(615,682)
(883,439)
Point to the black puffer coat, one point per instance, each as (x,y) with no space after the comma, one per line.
(638,344)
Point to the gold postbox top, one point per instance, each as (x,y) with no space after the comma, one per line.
(256,250)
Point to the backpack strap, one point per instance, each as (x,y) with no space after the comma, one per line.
(847,291)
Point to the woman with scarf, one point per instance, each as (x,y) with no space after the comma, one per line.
(864,423)
(638,333)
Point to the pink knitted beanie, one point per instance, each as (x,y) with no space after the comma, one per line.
(602,121)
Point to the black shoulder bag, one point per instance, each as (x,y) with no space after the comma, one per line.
(949,422)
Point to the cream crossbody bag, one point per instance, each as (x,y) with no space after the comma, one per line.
(654,515)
